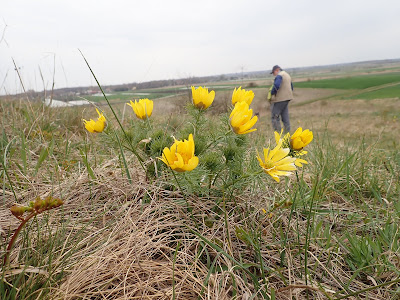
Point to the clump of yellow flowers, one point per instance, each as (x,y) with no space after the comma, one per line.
(277,161)
(285,156)
(180,156)
(202,99)
(241,117)
(296,143)
(96,126)
(142,108)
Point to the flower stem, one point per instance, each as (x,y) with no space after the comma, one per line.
(148,123)
(243,177)
(188,208)
(215,140)
(308,231)
(14,237)
(197,117)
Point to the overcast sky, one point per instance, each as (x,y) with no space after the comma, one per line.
(127,41)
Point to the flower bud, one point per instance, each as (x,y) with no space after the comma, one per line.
(38,204)
(17,210)
(55,202)
(288,203)
(51,202)
(59,202)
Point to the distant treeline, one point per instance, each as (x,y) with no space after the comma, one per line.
(183,81)
(74,92)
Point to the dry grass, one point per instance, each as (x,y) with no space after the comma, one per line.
(134,253)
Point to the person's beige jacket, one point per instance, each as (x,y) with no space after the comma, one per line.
(285,90)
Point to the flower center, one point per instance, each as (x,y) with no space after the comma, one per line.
(201,105)
(185,157)
(269,164)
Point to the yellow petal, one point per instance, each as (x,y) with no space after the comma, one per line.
(299,162)
(192,163)
(280,154)
(89,126)
(273,151)
(149,107)
(178,164)
(286,167)
(210,99)
(277,136)
(297,132)
(246,127)
(286,160)
(274,177)
(168,157)
(248,131)
(99,126)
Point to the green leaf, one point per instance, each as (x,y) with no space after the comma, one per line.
(44,154)
(87,165)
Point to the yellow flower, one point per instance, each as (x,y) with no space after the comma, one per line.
(297,141)
(300,139)
(242,119)
(142,108)
(180,157)
(202,98)
(96,126)
(276,162)
(240,95)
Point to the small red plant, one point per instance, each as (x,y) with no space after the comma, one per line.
(25,213)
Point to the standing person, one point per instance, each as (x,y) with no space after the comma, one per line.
(281,94)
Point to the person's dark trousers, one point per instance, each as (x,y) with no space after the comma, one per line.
(280,110)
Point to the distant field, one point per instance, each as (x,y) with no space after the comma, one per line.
(122,96)
(389,92)
(352,87)
(354,82)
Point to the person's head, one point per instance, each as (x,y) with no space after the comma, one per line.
(275,70)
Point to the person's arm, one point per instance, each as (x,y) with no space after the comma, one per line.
(277,84)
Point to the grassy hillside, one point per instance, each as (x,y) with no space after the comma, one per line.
(388,92)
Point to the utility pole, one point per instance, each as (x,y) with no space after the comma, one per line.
(242,68)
